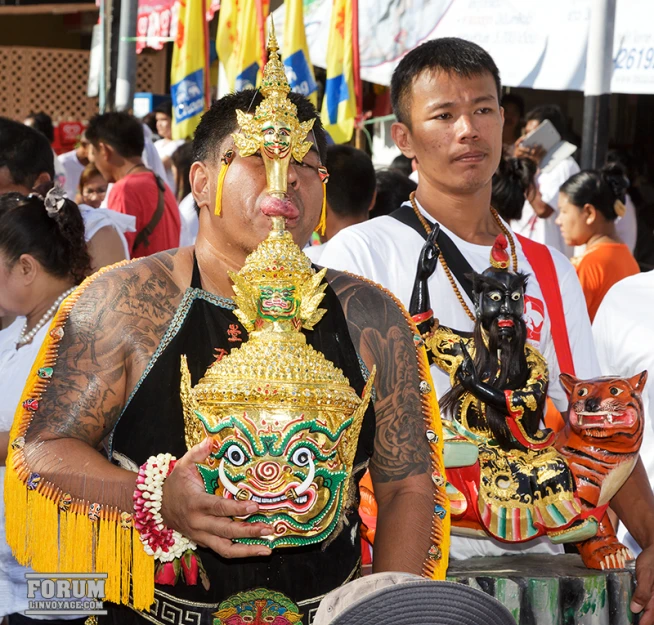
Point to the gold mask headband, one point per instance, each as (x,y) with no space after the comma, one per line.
(274,130)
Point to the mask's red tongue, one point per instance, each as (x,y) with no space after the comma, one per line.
(276,207)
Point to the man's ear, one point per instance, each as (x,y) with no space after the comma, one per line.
(42,179)
(106,151)
(200,185)
(402,137)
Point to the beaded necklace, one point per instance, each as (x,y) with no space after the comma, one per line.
(27,337)
(446,269)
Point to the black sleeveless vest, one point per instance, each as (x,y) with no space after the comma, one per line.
(152,422)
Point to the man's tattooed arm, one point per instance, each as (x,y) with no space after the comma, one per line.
(401,463)
(111,333)
(382,337)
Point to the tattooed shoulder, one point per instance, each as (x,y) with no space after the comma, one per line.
(112,331)
(383,338)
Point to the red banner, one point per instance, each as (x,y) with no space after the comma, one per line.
(153,24)
(156,23)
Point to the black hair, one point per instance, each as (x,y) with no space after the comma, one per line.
(182,158)
(352,182)
(56,242)
(122,131)
(165,107)
(601,188)
(25,152)
(43,123)
(448,54)
(553,113)
(511,182)
(220,121)
(514,98)
(393,188)
(150,120)
(402,164)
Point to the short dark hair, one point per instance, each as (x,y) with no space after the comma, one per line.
(514,98)
(352,183)
(56,242)
(25,152)
(553,113)
(122,131)
(165,107)
(220,121)
(448,54)
(393,189)
(182,158)
(402,164)
(43,123)
(601,188)
(511,182)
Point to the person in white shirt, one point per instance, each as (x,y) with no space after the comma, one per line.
(624,339)
(42,259)
(182,160)
(74,163)
(539,215)
(166,146)
(445,97)
(350,193)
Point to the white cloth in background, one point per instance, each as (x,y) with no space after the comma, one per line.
(627,225)
(190,221)
(387,251)
(97,218)
(624,339)
(60,172)
(167,148)
(315,252)
(73,171)
(545,230)
(15,366)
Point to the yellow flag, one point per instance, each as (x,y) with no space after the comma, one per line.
(227,36)
(339,104)
(296,52)
(239,41)
(188,71)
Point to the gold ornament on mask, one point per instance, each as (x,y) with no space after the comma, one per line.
(274,128)
(285,420)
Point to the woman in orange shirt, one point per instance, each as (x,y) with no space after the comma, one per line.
(589,204)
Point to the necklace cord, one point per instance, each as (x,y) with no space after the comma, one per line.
(443,262)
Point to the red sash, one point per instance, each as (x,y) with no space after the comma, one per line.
(541,261)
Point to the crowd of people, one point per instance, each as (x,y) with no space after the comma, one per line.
(128,191)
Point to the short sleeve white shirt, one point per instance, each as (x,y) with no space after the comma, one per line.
(73,170)
(545,230)
(624,338)
(387,251)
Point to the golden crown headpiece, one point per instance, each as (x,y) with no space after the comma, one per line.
(275,112)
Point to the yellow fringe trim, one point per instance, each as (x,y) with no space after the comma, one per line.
(219,189)
(435,566)
(322,224)
(49,539)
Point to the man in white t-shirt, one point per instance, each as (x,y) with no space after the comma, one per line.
(445,98)
(538,217)
(74,163)
(624,338)
(166,146)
